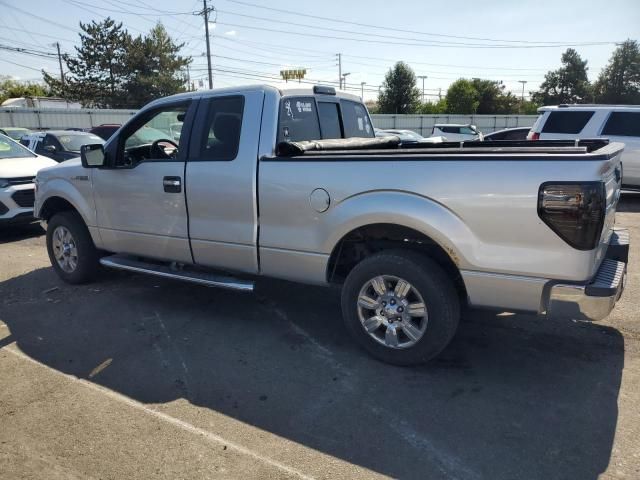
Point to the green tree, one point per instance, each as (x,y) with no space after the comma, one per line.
(97,73)
(10,88)
(568,84)
(154,66)
(619,81)
(399,91)
(462,97)
(111,69)
(434,108)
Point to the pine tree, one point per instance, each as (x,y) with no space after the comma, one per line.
(568,84)
(619,81)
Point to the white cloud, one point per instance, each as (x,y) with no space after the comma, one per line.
(231,33)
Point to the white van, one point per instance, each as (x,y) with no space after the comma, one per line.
(619,123)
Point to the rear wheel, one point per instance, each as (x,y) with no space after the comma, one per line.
(71,251)
(401,307)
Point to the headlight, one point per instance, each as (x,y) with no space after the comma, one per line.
(4,182)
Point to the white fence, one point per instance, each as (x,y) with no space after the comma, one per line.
(54,118)
(39,119)
(423,124)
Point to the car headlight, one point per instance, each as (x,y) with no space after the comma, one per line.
(4,182)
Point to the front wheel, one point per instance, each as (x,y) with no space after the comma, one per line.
(71,251)
(401,307)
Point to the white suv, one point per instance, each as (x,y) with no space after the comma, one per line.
(619,123)
(18,167)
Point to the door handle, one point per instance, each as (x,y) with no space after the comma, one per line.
(172,184)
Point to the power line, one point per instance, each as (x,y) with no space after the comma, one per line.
(387,28)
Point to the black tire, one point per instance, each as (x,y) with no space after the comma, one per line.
(87,255)
(433,284)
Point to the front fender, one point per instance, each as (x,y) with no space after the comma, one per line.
(400,208)
(65,189)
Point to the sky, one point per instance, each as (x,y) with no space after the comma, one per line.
(252,40)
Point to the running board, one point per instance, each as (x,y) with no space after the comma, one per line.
(122,262)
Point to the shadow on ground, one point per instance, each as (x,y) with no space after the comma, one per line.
(629,202)
(512,397)
(13,233)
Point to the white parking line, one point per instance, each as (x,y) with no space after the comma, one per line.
(164,417)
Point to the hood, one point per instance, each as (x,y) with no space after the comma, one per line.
(67,168)
(24,166)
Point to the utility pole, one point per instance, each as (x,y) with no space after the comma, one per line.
(188,79)
(362,84)
(339,55)
(57,44)
(205,13)
(423,77)
(522,98)
(440,93)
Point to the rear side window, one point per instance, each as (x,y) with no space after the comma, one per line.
(298,120)
(355,120)
(220,137)
(625,124)
(566,122)
(329,114)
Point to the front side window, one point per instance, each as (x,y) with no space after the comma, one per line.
(152,139)
(566,122)
(624,124)
(467,131)
(298,120)
(220,139)
(355,119)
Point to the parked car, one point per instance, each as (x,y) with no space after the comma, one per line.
(455,132)
(408,136)
(16,133)
(60,145)
(18,168)
(518,133)
(105,130)
(620,123)
(409,238)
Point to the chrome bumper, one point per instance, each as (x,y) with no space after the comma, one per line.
(596,299)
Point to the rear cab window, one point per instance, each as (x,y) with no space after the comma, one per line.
(567,121)
(310,118)
(623,124)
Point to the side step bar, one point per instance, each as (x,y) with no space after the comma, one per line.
(123,262)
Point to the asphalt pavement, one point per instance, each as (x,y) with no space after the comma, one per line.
(134,377)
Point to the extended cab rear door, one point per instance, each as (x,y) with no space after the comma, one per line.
(221,180)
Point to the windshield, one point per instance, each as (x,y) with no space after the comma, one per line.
(73,143)
(11,149)
(16,133)
(145,136)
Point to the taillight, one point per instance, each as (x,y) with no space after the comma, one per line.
(535,136)
(575,211)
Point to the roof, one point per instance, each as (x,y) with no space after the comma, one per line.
(591,106)
(452,125)
(297,90)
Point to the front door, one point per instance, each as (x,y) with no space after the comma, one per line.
(140,197)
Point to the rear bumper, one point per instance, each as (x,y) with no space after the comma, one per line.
(593,300)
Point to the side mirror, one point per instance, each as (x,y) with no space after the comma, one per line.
(92,156)
(50,148)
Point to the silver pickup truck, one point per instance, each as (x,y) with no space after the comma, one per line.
(292,184)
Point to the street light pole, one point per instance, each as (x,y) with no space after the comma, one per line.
(344,80)
(423,77)
(522,97)
(339,70)
(362,84)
